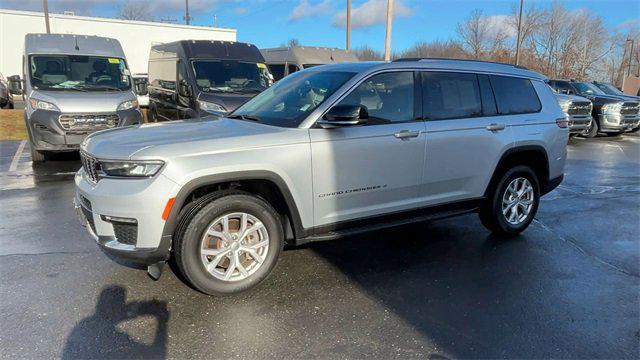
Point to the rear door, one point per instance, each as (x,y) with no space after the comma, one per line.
(372,169)
(465,135)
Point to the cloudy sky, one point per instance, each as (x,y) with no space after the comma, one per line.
(321,22)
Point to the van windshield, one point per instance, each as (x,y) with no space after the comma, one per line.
(291,99)
(79,73)
(231,76)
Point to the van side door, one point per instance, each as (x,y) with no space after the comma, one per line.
(465,136)
(371,169)
(163,88)
(185,93)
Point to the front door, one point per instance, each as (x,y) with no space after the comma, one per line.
(371,169)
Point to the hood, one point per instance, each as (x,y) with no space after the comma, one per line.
(229,101)
(73,101)
(175,138)
(603,99)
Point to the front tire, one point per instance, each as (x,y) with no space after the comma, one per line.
(513,203)
(593,130)
(614,134)
(37,156)
(230,242)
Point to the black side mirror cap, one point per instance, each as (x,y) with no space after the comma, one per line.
(344,115)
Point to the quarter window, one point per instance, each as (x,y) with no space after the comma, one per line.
(450,96)
(515,95)
(387,97)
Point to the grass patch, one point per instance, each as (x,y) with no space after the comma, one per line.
(12,125)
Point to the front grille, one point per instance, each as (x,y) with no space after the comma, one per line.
(630,108)
(88,122)
(580,108)
(90,166)
(126,233)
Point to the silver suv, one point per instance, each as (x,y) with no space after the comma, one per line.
(326,152)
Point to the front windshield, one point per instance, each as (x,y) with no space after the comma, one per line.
(291,99)
(609,89)
(78,72)
(231,76)
(588,89)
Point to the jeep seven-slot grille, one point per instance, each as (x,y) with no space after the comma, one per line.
(580,108)
(90,166)
(88,122)
(630,108)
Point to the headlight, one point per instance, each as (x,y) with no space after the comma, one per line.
(612,108)
(130,104)
(564,105)
(42,105)
(211,107)
(138,168)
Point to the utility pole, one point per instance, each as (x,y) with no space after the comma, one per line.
(215,21)
(187,18)
(45,5)
(387,40)
(348,24)
(519,29)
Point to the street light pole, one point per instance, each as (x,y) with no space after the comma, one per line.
(348,24)
(387,40)
(45,5)
(519,29)
(186,13)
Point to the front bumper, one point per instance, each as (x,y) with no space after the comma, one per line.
(618,123)
(140,199)
(46,133)
(579,124)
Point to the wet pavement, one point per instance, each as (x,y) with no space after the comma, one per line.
(568,287)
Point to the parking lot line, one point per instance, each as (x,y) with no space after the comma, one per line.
(16,157)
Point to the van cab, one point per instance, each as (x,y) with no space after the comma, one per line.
(195,78)
(74,85)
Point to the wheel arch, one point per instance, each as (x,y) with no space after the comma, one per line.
(265,184)
(533,156)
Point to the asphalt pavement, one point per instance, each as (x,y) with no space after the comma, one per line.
(567,287)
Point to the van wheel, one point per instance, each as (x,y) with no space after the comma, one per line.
(593,130)
(153,116)
(228,243)
(37,156)
(513,203)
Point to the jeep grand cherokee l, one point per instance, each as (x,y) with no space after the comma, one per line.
(326,152)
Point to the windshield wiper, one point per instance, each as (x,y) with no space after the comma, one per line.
(244,117)
(107,87)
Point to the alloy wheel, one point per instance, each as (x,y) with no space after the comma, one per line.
(517,201)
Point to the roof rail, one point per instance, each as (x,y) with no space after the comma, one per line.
(465,60)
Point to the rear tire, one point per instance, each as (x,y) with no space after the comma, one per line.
(614,134)
(593,130)
(37,156)
(210,273)
(499,214)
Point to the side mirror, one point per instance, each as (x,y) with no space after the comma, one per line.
(15,84)
(344,115)
(184,89)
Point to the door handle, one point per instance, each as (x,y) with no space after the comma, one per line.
(406,134)
(496,127)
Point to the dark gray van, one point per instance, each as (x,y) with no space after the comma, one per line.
(195,78)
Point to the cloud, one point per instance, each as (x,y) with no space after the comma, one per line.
(632,24)
(305,9)
(371,13)
(500,24)
(240,10)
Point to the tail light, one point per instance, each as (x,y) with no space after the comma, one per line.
(563,122)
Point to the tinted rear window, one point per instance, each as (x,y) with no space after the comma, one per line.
(515,95)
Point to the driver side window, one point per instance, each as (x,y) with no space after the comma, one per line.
(387,97)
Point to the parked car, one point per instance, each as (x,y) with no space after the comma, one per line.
(612,115)
(609,89)
(578,111)
(322,154)
(195,78)
(6,98)
(283,61)
(141,82)
(74,85)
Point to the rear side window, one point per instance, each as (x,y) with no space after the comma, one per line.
(514,95)
(450,96)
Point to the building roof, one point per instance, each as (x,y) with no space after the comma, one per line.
(307,55)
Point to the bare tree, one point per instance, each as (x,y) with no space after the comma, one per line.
(437,49)
(136,10)
(473,34)
(366,53)
(293,42)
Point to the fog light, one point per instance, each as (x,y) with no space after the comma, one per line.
(116,219)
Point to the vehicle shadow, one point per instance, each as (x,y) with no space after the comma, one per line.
(101,336)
